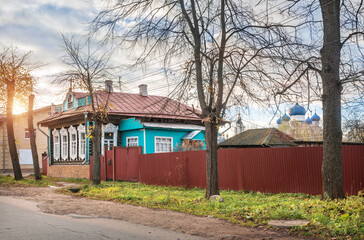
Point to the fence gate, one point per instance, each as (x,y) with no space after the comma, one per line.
(122,163)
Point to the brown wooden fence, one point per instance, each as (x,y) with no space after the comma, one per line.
(274,170)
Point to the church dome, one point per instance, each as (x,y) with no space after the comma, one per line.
(297,110)
(315,117)
(285,117)
(308,120)
(279,121)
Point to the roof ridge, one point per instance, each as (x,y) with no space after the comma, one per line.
(268,136)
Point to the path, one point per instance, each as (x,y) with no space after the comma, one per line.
(22,219)
(207,227)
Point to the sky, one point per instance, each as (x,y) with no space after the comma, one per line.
(36,25)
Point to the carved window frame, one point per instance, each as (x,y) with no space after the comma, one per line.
(81,142)
(72,131)
(64,144)
(56,145)
(109,128)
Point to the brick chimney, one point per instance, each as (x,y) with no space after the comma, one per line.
(108,85)
(143,90)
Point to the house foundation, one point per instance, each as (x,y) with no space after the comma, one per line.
(69,171)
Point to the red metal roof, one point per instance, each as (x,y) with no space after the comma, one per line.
(132,105)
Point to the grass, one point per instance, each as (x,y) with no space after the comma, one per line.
(8,181)
(339,219)
(342,219)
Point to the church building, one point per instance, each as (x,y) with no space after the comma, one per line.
(298,126)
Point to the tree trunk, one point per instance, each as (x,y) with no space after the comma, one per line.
(96,143)
(212,175)
(33,144)
(10,128)
(332,180)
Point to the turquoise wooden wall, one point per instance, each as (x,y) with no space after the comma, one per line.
(133,128)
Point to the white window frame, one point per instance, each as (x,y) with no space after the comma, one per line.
(109,128)
(129,138)
(64,144)
(73,143)
(56,145)
(162,151)
(81,142)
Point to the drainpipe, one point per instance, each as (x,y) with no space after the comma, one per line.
(86,142)
(3,148)
(46,136)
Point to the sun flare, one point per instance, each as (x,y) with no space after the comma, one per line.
(19,108)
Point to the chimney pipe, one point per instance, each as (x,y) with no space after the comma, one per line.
(143,90)
(108,85)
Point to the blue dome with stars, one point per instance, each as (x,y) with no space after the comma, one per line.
(297,110)
(279,121)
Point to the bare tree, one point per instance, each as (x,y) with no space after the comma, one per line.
(323,62)
(89,63)
(33,145)
(15,83)
(222,44)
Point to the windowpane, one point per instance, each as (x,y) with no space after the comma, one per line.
(163,144)
(132,142)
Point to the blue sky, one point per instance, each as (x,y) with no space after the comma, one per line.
(36,25)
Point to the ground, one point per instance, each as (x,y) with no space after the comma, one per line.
(54,203)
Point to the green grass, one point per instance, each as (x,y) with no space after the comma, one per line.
(341,219)
(8,181)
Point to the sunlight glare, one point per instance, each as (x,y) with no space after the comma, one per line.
(19,108)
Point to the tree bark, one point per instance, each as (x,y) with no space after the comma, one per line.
(332,179)
(96,143)
(10,128)
(33,144)
(212,176)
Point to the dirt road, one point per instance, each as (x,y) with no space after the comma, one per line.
(48,201)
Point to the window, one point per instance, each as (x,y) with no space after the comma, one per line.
(82,144)
(70,102)
(64,147)
(163,144)
(81,141)
(73,142)
(109,136)
(108,140)
(73,146)
(27,135)
(64,144)
(132,141)
(56,147)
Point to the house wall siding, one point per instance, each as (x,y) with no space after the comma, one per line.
(132,133)
(152,133)
(20,124)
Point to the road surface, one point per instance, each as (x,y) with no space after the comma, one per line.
(21,219)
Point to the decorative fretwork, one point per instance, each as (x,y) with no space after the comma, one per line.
(109,136)
(73,142)
(64,144)
(56,145)
(81,141)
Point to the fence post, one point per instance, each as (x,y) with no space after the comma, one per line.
(113,164)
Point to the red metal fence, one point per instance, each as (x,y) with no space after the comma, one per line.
(121,164)
(271,170)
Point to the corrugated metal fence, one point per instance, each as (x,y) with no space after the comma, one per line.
(274,170)
(120,163)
